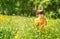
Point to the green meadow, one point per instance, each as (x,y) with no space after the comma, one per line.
(18,27)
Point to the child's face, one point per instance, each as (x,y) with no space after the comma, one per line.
(40,15)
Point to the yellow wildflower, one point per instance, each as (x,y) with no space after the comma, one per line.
(16,36)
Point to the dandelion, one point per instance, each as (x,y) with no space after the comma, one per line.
(16,36)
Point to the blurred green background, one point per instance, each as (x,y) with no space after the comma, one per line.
(29,7)
(17,19)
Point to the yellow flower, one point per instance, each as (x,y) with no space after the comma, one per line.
(4,18)
(16,36)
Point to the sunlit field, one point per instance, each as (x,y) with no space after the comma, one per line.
(17,27)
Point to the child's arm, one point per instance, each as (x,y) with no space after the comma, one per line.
(45,22)
(36,22)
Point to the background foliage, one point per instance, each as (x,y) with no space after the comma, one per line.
(29,7)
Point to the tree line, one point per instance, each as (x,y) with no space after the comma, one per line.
(29,7)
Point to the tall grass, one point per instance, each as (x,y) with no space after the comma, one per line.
(16,27)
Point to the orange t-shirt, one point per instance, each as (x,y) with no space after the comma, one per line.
(40,21)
